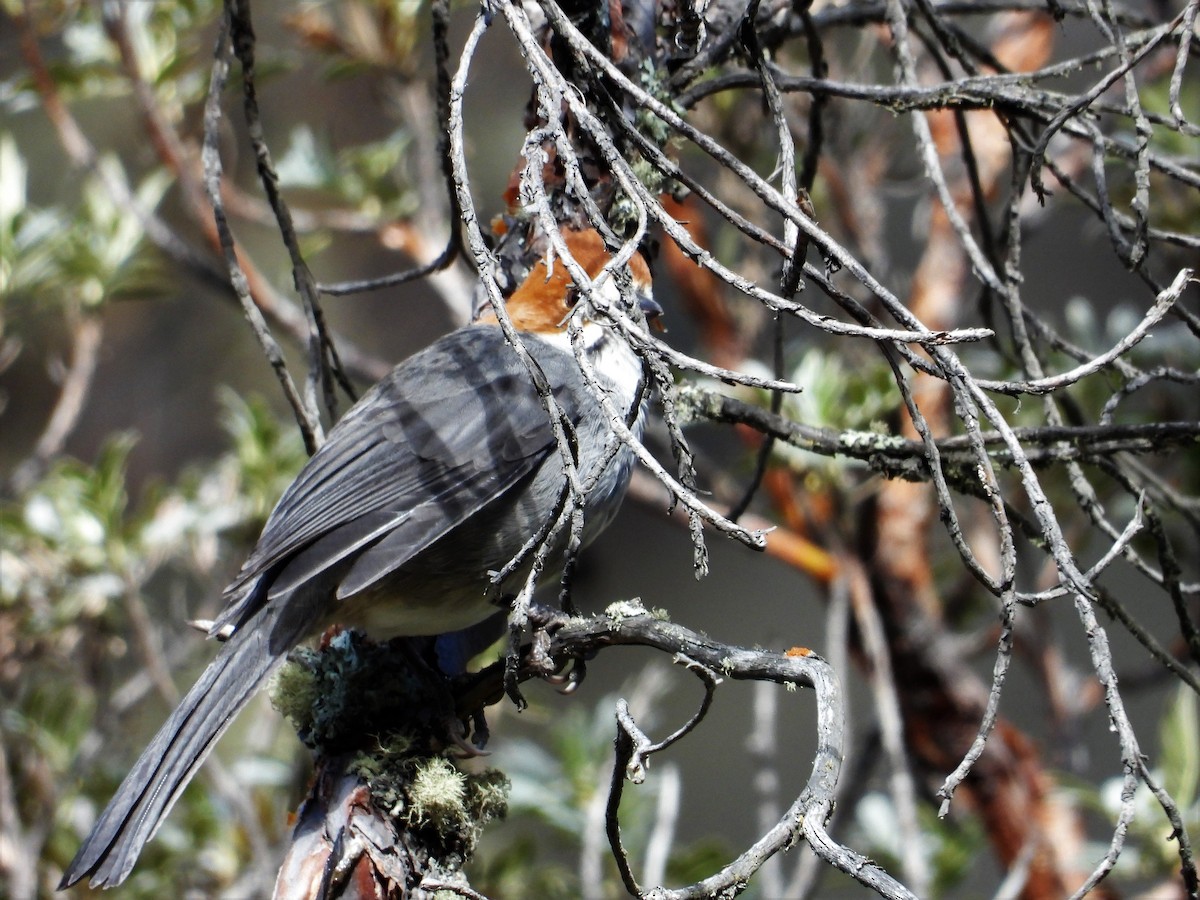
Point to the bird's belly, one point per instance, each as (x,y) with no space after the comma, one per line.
(427,598)
(411,604)
(448,586)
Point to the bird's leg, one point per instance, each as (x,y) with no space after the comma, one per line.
(536,660)
(453,726)
(547,618)
(479,727)
(566,676)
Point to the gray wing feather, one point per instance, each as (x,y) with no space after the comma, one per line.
(406,467)
(326,551)
(428,523)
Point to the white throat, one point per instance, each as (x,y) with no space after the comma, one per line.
(617,367)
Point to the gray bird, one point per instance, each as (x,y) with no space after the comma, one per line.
(434,479)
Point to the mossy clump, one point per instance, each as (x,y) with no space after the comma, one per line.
(431,794)
(346,694)
(388,711)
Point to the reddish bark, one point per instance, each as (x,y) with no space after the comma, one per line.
(941,698)
(700,291)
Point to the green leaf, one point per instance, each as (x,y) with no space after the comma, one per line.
(1180,740)
(268,453)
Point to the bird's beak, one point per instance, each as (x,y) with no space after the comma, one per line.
(652,311)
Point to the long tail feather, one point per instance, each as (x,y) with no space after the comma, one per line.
(181,745)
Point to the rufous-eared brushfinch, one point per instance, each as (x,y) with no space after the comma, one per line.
(437,477)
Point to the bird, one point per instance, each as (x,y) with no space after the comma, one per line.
(432,481)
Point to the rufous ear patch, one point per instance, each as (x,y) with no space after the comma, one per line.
(546,296)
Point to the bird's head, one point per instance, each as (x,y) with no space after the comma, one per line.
(543,303)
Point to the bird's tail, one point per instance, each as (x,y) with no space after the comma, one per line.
(168,764)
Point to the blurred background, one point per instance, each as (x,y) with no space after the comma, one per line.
(143,439)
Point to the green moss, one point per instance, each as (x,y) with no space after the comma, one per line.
(374,702)
(293,689)
(352,691)
(438,796)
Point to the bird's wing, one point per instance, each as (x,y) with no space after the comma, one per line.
(450,429)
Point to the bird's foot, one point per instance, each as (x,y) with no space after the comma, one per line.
(459,735)
(547,618)
(566,676)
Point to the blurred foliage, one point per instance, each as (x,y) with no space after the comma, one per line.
(83,551)
(951,846)
(560,784)
(75,559)
(73,258)
(367,177)
(1150,855)
(171,42)
(842,391)
(358,35)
